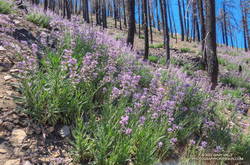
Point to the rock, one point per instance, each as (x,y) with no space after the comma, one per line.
(16,47)
(17,137)
(16,22)
(2,48)
(50,129)
(14,70)
(27,163)
(6,78)
(247,100)
(9,93)
(239,117)
(12,162)
(64,131)
(3,151)
(18,152)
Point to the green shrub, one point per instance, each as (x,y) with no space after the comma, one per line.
(189,69)
(229,66)
(141,37)
(162,61)
(236,82)
(242,147)
(146,76)
(236,93)
(185,50)
(110,146)
(159,45)
(153,59)
(5,7)
(176,61)
(39,19)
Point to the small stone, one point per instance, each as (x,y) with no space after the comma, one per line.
(16,22)
(14,70)
(18,152)
(17,137)
(2,48)
(6,98)
(9,93)
(3,151)
(64,131)
(27,163)
(239,117)
(248,112)
(6,78)
(50,129)
(12,162)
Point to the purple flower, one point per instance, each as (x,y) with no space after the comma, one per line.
(124,120)
(170,130)
(203,144)
(128,110)
(34,48)
(218,149)
(24,42)
(128,131)
(160,144)
(192,142)
(170,120)
(142,120)
(173,141)
(115,93)
(184,108)
(155,115)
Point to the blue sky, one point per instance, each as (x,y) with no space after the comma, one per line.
(236,13)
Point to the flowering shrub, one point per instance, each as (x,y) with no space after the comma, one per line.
(126,110)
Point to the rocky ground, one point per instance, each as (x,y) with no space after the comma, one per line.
(23,142)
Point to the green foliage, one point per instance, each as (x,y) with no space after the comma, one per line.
(162,61)
(50,98)
(141,37)
(188,68)
(119,36)
(235,82)
(146,76)
(185,50)
(5,7)
(176,61)
(39,19)
(153,59)
(242,147)
(158,45)
(81,48)
(235,93)
(228,65)
(111,146)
